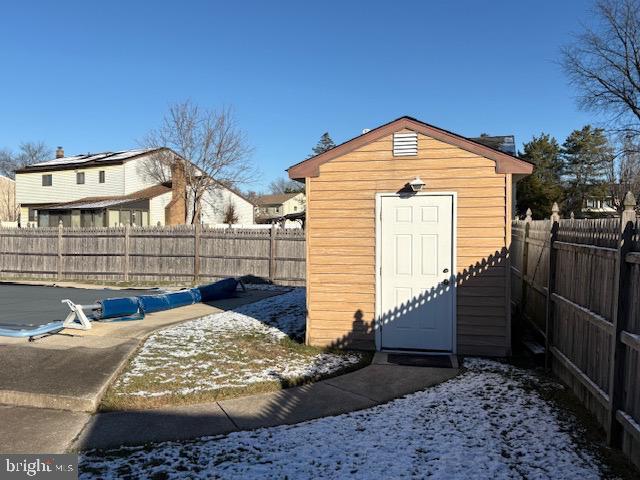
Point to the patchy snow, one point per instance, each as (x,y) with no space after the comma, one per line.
(231,349)
(266,286)
(486,423)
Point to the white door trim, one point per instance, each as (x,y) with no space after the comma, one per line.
(454,247)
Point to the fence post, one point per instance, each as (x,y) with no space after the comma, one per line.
(196,252)
(3,249)
(525,261)
(551,285)
(60,229)
(272,254)
(621,299)
(126,252)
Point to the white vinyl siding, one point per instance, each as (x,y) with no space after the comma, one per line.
(136,178)
(156,208)
(64,188)
(294,205)
(216,203)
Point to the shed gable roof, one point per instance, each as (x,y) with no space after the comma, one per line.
(505,163)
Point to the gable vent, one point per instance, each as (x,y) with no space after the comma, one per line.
(405,144)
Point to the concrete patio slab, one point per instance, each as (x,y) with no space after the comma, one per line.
(69,379)
(38,430)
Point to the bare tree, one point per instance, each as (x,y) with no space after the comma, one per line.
(625,172)
(283,185)
(9,209)
(604,64)
(28,153)
(6,162)
(215,152)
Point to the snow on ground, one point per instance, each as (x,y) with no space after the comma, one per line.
(485,424)
(265,286)
(232,349)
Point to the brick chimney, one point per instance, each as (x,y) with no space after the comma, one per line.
(175,212)
(59,152)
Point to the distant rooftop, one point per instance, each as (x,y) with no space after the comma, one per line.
(92,157)
(109,201)
(503,143)
(276,199)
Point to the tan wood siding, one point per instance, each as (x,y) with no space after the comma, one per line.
(341,240)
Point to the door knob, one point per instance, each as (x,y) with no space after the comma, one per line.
(445,282)
(446,270)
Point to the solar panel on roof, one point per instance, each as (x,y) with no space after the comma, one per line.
(93,157)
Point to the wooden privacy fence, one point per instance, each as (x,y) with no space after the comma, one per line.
(577,283)
(186,254)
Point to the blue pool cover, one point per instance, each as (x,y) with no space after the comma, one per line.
(124,308)
(130,308)
(219,290)
(31,331)
(153,303)
(135,308)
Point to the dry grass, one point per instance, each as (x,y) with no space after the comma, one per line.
(254,349)
(260,347)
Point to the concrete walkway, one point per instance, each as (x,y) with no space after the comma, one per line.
(370,386)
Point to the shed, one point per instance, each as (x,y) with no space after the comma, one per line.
(408,236)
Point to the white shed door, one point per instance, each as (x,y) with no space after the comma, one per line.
(416,275)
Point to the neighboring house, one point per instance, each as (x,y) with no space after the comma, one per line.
(504,143)
(419,261)
(599,207)
(273,207)
(112,189)
(8,207)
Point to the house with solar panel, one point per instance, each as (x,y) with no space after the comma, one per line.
(112,189)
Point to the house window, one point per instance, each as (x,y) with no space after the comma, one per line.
(33,214)
(125,217)
(43,219)
(92,218)
(47,180)
(80,178)
(101,176)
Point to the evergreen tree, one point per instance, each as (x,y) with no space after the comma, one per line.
(325,143)
(539,190)
(230,215)
(587,157)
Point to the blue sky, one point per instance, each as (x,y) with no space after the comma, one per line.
(95,76)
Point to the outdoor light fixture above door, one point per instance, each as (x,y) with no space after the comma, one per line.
(416,184)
